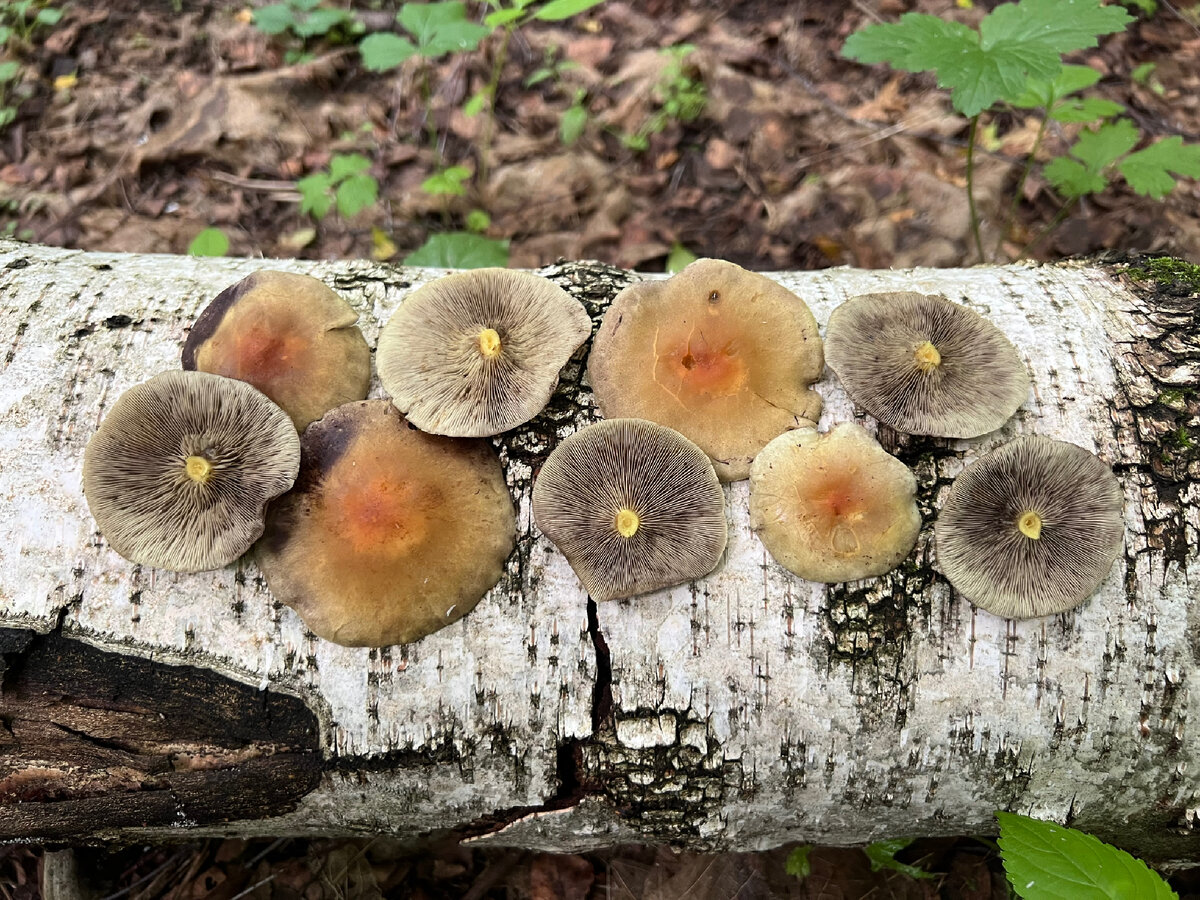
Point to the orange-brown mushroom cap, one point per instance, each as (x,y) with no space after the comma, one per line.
(925,365)
(722,355)
(290,336)
(478,352)
(833,507)
(390,533)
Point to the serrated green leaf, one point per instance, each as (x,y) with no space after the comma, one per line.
(978,78)
(1040,92)
(274,19)
(798,864)
(459,250)
(356,193)
(448,181)
(315,197)
(1072,179)
(343,165)
(1088,109)
(209,242)
(1045,861)
(381,52)
(1051,26)
(557,10)
(882,855)
(1101,148)
(441,28)
(1149,171)
(905,44)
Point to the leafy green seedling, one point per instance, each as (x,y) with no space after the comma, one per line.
(680,97)
(434,30)
(21,18)
(1098,153)
(1045,861)
(303,18)
(459,250)
(209,242)
(882,855)
(574,119)
(448,182)
(798,864)
(1057,98)
(478,221)
(10,73)
(679,258)
(347,183)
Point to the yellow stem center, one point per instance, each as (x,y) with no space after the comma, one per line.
(927,357)
(627,523)
(1030,525)
(198,469)
(489,343)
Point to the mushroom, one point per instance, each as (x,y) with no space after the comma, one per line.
(722,355)
(390,533)
(1031,529)
(477,353)
(833,507)
(182,467)
(924,365)
(290,336)
(633,506)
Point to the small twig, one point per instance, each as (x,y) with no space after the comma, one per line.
(253,887)
(971,188)
(265,185)
(1009,219)
(271,847)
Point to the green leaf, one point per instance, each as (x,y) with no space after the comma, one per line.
(381,52)
(7,115)
(502,17)
(1045,861)
(882,855)
(315,194)
(1072,179)
(1088,109)
(343,165)
(905,44)
(474,106)
(557,10)
(1101,148)
(681,257)
(441,28)
(1052,27)
(356,193)
(274,19)
(1142,73)
(572,124)
(448,181)
(48,16)
(797,863)
(9,70)
(478,221)
(209,242)
(1149,171)
(1041,92)
(320,22)
(459,250)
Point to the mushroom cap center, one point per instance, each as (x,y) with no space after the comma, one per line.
(927,357)
(489,343)
(198,469)
(627,522)
(1030,524)
(702,368)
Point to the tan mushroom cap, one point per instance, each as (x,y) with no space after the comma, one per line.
(925,365)
(720,354)
(290,336)
(833,507)
(633,506)
(181,469)
(479,352)
(390,533)
(1031,529)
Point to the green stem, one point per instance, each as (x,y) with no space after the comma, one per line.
(1011,218)
(971,188)
(1054,223)
(489,124)
(430,123)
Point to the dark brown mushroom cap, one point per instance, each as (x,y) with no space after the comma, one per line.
(477,353)
(182,467)
(924,365)
(1031,529)
(390,533)
(722,355)
(290,336)
(633,506)
(833,507)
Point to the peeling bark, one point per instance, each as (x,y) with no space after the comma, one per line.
(745,710)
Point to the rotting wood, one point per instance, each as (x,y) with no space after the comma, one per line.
(744,711)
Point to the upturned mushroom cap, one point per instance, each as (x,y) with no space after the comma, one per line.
(720,354)
(1031,529)
(833,507)
(290,336)
(924,365)
(390,533)
(633,506)
(477,353)
(180,470)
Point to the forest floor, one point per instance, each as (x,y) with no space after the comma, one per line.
(139,125)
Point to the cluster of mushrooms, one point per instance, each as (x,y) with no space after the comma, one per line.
(381,521)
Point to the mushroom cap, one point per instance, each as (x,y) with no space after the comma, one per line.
(722,355)
(924,365)
(634,507)
(390,533)
(290,336)
(477,353)
(833,507)
(991,554)
(182,467)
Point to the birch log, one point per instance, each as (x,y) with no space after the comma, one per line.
(740,712)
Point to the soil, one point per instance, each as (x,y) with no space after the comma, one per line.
(142,123)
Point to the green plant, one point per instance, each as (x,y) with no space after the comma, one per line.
(10,74)
(21,18)
(679,258)
(679,97)
(347,183)
(1015,57)
(304,20)
(447,182)
(798,864)
(459,250)
(211,241)
(434,29)
(882,855)
(1045,861)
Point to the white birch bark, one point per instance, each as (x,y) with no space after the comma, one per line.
(740,712)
